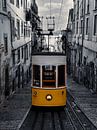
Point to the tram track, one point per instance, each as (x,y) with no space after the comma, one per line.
(76,115)
(46,120)
(75,121)
(69,118)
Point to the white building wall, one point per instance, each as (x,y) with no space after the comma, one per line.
(90,40)
(20,14)
(6,59)
(83,44)
(90,46)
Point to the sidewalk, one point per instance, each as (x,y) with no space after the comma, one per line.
(85,99)
(14,109)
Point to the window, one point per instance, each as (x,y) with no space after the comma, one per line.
(61,75)
(24,30)
(87,26)
(82,6)
(12,1)
(17,3)
(13,57)
(77,9)
(18,29)
(49,76)
(13,28)
(5,43)
(4,7)
(29,49)
(95,4)
(22,52)
(21,2)
(29,33)
(87,6)
(27,52)
(85,60)
(95,25)
(36,75)
(77,28)
(73,27)
(22,27)
(18,55)
(24,4)
(81,27)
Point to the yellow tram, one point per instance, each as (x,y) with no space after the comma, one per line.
(49,79)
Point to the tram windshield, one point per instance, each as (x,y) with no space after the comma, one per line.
(49,76)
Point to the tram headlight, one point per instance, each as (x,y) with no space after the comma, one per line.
(49,97)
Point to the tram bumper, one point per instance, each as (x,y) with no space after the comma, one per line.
(49,97)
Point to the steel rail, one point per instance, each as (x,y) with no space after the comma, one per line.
(70,119)
(81,124)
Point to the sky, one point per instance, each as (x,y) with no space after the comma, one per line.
(60,14)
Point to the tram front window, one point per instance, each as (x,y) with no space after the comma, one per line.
(36,75)
(49,76)
(61,75)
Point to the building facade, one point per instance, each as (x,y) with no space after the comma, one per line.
(15,44)
(5,53)
(84,42)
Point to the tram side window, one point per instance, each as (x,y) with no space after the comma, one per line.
(49,76)
(36,75)
(61,75)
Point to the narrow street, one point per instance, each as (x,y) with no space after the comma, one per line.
(69,117)
(48,64)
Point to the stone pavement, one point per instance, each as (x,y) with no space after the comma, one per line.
(85,99)
(15,108)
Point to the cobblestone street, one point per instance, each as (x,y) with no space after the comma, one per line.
(48,59)
(13,110)
(85,99)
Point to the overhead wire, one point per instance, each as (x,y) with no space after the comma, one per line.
(50,8)
(60,13)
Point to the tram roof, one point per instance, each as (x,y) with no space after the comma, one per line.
(49,53)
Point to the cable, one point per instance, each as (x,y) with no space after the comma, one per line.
(50,8)
(60,14)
